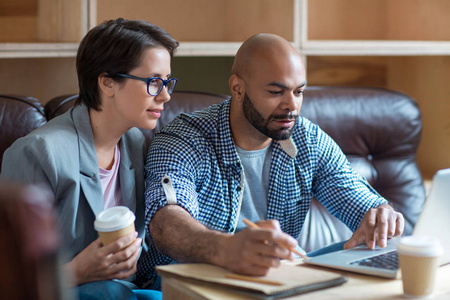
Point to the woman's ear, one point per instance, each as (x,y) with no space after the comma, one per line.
(106,85)
(237,87)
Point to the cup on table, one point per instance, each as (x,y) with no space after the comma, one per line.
(419,260)
(114,223)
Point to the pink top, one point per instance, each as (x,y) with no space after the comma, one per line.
(110,183)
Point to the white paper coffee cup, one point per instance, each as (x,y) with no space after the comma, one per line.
(114,223)
(418,258)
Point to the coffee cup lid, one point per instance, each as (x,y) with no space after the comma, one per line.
(113,219)
(420,246)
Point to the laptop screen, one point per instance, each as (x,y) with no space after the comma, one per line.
(434,220)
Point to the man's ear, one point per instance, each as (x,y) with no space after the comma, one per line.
(237,87)
(106,85)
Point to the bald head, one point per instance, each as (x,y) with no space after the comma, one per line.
(266,84)
(264,49)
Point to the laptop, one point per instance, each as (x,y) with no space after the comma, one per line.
(434,220)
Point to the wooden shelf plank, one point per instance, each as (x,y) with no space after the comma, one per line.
(207,48)
(28,50)
(210,48)
(375,48)
(309,48)
(331,48)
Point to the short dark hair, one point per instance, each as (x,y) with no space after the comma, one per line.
(115,46)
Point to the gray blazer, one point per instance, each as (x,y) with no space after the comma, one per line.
(61,155)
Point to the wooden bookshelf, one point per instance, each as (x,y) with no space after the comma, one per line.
(402,45)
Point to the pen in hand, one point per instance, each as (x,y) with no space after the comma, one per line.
(251,224)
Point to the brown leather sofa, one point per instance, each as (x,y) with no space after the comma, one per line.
(379,131)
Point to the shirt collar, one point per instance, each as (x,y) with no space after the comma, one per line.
(289,147)
(227,151)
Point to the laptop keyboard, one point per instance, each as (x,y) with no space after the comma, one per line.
(384,261)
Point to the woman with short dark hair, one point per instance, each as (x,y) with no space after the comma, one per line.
(92,157)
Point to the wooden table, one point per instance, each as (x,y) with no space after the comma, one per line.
(357,287)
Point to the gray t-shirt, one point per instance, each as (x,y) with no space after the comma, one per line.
(256,166)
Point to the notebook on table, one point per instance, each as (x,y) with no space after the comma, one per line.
(434,220)
(284,281)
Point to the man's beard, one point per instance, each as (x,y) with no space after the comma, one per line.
(257,120)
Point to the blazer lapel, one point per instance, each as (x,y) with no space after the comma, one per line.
(89,174)
(127,177)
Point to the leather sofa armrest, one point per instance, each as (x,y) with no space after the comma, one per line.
(19,115)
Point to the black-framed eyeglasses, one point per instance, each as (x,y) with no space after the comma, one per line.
(154,84)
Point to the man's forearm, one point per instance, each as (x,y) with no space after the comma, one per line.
(181,237)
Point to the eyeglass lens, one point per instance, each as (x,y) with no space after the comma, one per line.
(156,84)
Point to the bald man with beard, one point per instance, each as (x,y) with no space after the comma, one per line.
(253,157)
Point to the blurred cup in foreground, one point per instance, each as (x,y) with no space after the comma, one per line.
(114,223)
(419,258)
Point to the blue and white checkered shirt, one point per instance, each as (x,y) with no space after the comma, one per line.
(197,153)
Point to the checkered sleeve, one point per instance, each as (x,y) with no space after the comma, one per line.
(345,193)
(173,157)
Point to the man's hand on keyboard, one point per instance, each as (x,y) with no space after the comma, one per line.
(377,225)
